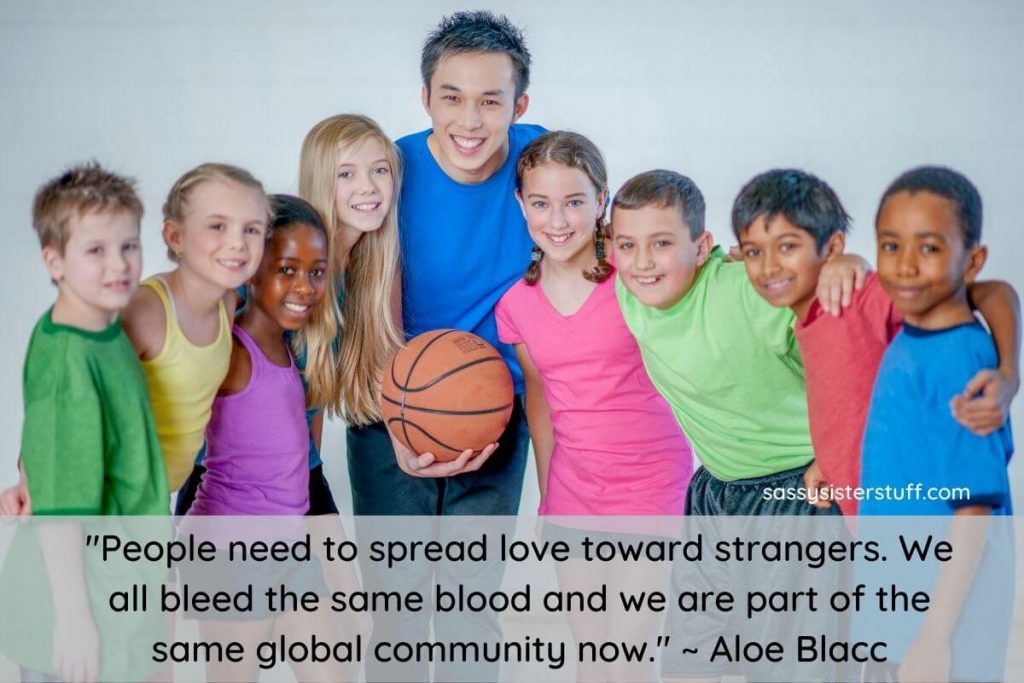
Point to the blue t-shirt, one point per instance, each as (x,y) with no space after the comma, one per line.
(463,245)
(911,437)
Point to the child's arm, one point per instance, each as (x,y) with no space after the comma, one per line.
(316,429)
(15,501)
(145,323)
(928,658)
(76,643)
(985,403)
(839,279)
(538,418)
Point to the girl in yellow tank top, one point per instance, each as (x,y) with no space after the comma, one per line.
(183,381)
(215,222)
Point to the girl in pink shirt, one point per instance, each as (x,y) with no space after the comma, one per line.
(605,441)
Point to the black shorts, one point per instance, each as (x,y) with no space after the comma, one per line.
(321,500)
(717,509)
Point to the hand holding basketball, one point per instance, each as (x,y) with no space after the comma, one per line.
(446,395)
(426,464)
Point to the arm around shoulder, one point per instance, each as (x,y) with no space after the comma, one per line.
(985,402)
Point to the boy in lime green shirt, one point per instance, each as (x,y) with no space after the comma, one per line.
(728,364)
(725,359)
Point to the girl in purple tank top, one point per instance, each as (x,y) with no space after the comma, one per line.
(257,460)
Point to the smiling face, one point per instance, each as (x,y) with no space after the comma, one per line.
(99,269)
(364,186)
(561,206)
(783,261)
(923,263)
(472,102)
(656,258)
(220,239)
(292,278)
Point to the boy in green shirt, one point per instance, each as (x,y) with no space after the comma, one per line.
(728,364)
(89,443)
(725,360)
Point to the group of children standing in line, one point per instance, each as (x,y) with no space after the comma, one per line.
(634,344)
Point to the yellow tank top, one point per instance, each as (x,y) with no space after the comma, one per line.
(183,381)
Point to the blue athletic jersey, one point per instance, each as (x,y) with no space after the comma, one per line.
(463,245)
(911,437)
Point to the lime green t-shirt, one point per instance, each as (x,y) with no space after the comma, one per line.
(89,443)
(728,363)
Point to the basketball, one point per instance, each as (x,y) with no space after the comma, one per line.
(447,391)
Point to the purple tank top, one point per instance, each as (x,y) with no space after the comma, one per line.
(257,457)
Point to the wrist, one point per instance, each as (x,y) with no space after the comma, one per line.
(1011,376)
(935,632)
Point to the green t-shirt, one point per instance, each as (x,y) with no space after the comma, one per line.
(728,363)
(89,446)
(89,442)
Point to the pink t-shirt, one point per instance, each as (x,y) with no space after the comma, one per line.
(841,356)
(618,448)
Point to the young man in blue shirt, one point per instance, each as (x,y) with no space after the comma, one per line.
(464,243)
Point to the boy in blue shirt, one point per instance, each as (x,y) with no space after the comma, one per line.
(929,229)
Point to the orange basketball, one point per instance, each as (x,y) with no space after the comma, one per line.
(447,391)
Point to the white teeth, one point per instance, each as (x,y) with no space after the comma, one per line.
(560,238)
(776,285)
(366,207)
(296,308)
(231,264)
(467,143)
(647,280)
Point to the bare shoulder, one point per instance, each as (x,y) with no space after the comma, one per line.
(145,323)
(239,372)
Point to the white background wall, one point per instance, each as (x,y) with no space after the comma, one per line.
(854,92)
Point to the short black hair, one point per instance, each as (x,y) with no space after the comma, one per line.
(947,183)
(290,210)
(664,189)
(479,31)
(804,200)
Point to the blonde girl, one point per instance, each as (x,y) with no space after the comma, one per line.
(215,223)
(351,172)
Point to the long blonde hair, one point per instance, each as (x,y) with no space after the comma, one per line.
(369,333)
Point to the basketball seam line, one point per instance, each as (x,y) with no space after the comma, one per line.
(449,373)
(439,411)
(424,432)
(408,376)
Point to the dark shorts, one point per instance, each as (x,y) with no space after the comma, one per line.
(709,495)
(321,500)
(709,499)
